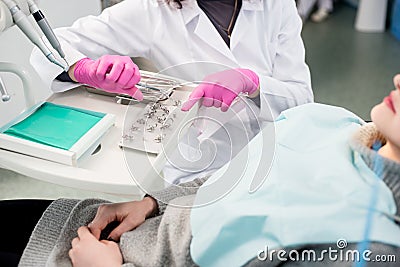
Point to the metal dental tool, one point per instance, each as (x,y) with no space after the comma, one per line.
(45,27)
(26,27)
(4,95)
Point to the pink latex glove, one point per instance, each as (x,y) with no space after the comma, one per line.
(221,88)
(115,74)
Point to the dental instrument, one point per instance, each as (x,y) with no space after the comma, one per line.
(45,27)
(21,20)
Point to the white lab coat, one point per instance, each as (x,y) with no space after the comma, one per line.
(266,39)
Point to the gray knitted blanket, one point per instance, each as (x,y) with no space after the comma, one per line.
(51,239)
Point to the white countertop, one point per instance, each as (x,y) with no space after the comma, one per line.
(105,171)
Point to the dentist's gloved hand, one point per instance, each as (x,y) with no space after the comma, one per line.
(115,74)
(221,88)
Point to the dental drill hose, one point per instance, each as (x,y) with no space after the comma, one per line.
(26,27)
(45,27)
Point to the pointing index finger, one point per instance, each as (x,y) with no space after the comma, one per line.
(195,96)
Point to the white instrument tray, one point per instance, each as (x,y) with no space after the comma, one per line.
(157,132)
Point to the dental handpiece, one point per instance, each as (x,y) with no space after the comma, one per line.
(26,27)
(45,27)
(4,95)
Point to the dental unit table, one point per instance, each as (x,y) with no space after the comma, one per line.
(105,170)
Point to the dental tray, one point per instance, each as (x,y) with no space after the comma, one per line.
(56,133)
(158,127)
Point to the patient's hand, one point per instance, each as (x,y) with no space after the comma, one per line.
(129,214)
(87,251)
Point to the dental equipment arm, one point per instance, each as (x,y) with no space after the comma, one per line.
(26,79)
(3,92)
(27,28)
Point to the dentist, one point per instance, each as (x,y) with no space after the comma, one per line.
(257,42)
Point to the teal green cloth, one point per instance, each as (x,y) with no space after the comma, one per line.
(55,125)
(317,191)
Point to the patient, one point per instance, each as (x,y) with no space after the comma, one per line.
(318,191)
